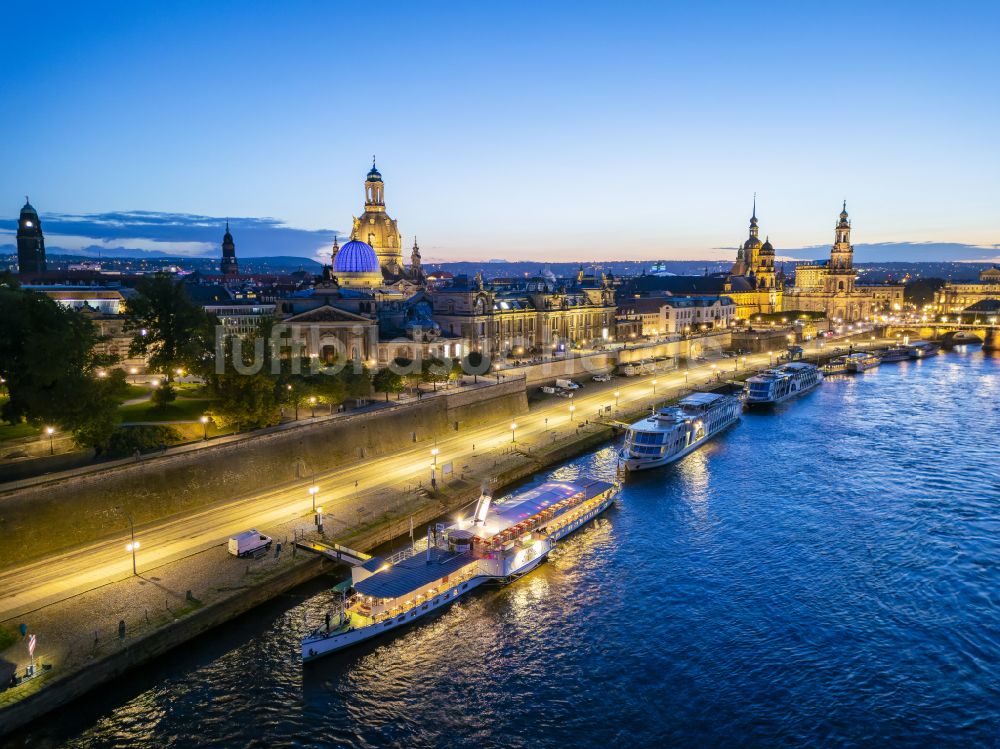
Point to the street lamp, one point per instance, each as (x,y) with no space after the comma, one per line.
(616,398)
(312,402)
(204,424)
(513,426)
(434,454)
(654,386)
(50,431)
(572,408)
(132,547)
(312,494)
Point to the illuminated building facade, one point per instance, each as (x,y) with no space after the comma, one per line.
(956,296)
(540,315)
(829,286)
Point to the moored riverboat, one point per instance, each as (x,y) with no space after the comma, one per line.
(923,349)
(837,365)
(671,433)
(776,385)
(862,361)
(894,354)
(500,542)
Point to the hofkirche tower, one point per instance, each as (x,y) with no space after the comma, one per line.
(841,266)
(377,228)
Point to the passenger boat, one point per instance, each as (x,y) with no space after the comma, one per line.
(671,433)
(500,542)
(781,383)
(923,349)
(861,361)
(837,365)
(896,353)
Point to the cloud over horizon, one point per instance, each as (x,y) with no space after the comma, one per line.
(158,234)
(161,234)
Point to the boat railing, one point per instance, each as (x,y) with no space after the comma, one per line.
(423,598)
(415,548)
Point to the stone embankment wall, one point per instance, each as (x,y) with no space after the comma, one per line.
(71,509)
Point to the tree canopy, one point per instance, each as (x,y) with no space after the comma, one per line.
(47,359)
(170,330)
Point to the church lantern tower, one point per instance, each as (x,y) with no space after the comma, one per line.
(229,265)
(30,242)
(378,229)
(841,266)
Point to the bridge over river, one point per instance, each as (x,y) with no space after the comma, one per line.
(950,334)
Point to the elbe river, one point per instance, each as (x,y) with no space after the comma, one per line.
(824,574)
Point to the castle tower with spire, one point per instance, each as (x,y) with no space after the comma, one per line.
(376,228)
(30,242)
(229,265)
(752,281)
(416,267)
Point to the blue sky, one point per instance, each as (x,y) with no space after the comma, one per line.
(625,130)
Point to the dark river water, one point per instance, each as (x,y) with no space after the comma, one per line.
(827,574)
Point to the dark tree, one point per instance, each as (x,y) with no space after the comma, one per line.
(168,328)
(50,368)
(387,381)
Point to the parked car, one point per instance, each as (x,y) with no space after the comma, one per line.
(567,384)
(564,393)
(548,390)
(248,543)
(601,378)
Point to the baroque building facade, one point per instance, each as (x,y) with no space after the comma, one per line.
(829,286)
(956,296)
(539,316)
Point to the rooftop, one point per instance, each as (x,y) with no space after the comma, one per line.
(411,574)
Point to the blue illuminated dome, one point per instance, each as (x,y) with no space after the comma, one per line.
(356,257)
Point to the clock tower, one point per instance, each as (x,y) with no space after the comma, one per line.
(30,242)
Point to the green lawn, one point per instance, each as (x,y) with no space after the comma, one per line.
(182,409)
(16,431)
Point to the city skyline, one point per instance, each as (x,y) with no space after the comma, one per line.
(608,139)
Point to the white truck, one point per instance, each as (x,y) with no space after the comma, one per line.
(567,384)
(248,543)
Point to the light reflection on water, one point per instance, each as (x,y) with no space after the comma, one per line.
(823,574)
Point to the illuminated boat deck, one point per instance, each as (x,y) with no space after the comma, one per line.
(413,573)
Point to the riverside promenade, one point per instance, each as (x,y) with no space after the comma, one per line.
(365,504)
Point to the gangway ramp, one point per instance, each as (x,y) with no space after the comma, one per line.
(335,552)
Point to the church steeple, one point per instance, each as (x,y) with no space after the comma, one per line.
(229,265)
(416,268)
(841,265)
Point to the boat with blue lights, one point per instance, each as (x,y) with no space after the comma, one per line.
(500,542)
